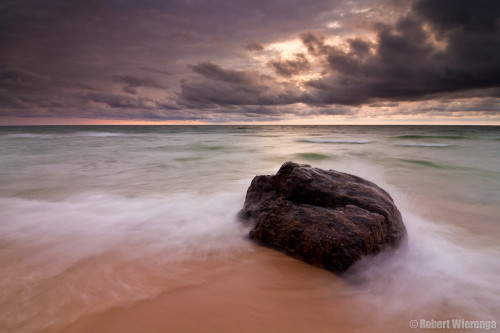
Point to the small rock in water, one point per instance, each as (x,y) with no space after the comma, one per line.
(328,218)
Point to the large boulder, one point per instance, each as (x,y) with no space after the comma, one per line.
(327,218)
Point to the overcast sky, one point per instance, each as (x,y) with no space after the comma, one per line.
(231,61)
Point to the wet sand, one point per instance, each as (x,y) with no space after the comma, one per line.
(264,291)
(258,291)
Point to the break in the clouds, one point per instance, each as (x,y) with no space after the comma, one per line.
(222,61)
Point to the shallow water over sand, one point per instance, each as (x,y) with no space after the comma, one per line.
(127,228)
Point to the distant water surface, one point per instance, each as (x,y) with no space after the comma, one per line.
(96,218)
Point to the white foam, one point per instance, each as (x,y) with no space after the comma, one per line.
(26,136)
(337,141)
(181,221)
(99,134)
(443,265)
(100,250)
(66,135)
(420,144)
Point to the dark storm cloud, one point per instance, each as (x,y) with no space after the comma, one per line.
(121,101)
(405,63)
(15,80)
(470,16)
(254,45)
(359,47)
(291,67)
(219,86)
(154,70)
(133,82)
(26,90)
(217,73)
(88,42)
(115,33)
(315,42)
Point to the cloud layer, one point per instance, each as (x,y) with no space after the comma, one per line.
(258,60)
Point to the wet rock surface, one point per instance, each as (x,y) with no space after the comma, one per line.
(324,217)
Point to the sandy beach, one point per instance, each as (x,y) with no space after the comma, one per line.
(258,291)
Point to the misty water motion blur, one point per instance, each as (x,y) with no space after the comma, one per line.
(99,217)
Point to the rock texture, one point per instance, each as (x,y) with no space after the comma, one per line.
(327,218)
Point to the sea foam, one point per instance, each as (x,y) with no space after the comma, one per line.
(337,141)
(421,144)
(101,250)
(100,134)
